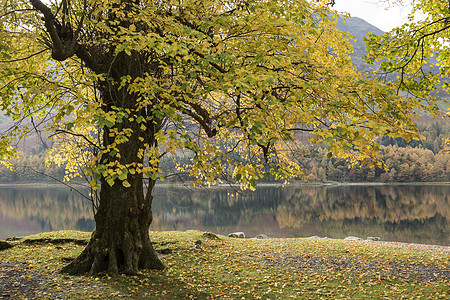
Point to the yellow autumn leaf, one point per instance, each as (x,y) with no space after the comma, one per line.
(125,183)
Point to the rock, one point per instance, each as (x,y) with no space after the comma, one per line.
(238,234)
(373,238)
(261,236)
(314,237)
(211,236)
(353,238)
(5,245)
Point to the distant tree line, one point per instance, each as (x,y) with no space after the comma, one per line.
(417,161)
(31,168)
(404,164)
(434,132)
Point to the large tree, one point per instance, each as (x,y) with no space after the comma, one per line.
(121,83)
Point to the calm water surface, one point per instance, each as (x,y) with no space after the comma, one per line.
(405,213)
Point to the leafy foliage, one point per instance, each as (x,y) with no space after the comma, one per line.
(412,51)
(249,74)
(426,161)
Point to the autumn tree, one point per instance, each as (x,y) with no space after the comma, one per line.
(121,83)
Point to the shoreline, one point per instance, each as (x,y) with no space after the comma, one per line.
(274,184)
(285,239)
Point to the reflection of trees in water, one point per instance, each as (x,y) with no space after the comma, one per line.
(385,204)
(212,207)
(52,208)
(397,211)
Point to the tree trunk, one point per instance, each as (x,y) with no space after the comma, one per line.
(120,242)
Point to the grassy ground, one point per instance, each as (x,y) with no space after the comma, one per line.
(203,267)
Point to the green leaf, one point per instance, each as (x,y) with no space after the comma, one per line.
(97,176)
(110,181)
(69,126)
(126,183)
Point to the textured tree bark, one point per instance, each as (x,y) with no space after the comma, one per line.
(120,242)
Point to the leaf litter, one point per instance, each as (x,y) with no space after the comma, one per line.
(201,266)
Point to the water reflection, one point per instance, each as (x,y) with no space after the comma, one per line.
(398,213)
(406,213)
(29,210)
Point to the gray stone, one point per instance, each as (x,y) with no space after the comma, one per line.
(238,234)
(373,238)
(353,238)
(261,236)
(314,237)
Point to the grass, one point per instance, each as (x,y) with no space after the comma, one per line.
(229,268)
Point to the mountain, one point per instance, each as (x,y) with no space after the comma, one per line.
(359,29)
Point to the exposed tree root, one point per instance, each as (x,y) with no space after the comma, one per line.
(56,241)
(115,258)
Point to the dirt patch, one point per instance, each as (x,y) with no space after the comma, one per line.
(18,282)
(415,272)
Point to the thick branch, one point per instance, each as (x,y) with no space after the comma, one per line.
(60,52)
(205,123)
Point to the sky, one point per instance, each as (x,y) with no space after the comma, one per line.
(374,12)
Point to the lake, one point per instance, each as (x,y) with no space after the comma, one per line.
(404,213)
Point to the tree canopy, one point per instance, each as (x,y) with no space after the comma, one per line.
(262,69)
(121,83)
